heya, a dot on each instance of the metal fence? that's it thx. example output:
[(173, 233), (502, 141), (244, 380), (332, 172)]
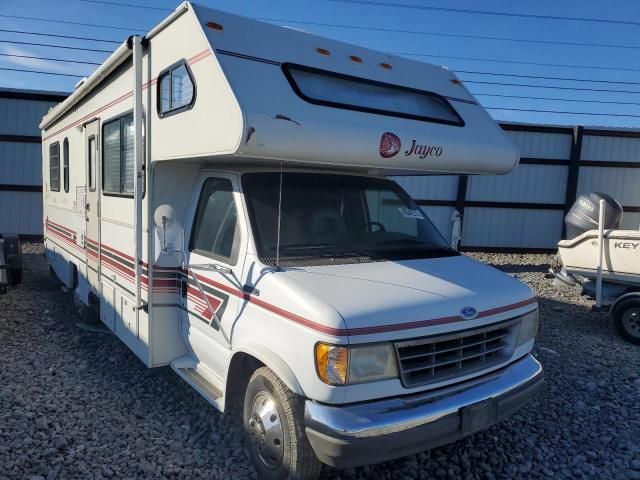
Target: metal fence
[(524, 210), (21, 159)]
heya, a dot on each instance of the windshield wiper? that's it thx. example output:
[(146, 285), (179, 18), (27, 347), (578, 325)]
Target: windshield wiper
[(321, 246), (418, 243)]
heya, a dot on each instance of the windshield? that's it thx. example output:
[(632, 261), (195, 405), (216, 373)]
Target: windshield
[(330, 219)]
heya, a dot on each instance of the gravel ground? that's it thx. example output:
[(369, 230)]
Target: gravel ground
[(76, 404)]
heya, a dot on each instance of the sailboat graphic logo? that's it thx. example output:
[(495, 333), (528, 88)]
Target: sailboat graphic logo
[(389, 145)]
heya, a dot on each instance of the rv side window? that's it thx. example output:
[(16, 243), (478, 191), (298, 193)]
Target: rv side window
[(54, 167), (336, 90), (215, 228), (117, 156), (65, 164), (91, 163), (176, 90)]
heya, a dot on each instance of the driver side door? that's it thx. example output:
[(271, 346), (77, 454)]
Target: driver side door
[(216, 252)]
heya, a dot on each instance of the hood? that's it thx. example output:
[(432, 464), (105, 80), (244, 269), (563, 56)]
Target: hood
[(415, 297)]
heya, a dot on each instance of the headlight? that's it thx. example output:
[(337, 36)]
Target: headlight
[(528, 327), (342, 365)]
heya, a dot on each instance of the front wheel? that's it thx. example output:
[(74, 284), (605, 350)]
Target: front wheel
[(274, 430), (627, 318)]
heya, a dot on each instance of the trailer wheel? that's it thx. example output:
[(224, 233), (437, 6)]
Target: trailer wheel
[(627, 318), (274, 430), (13, 257)]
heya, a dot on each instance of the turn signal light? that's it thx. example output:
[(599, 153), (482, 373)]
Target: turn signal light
[(332, 363)]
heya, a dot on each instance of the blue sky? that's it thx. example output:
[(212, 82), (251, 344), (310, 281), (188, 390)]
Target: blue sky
[(621, 65)]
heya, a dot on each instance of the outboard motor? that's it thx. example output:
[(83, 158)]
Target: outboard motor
[(585, 214)]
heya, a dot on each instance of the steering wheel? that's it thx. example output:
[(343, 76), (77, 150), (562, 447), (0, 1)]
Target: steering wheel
[(377, 224)]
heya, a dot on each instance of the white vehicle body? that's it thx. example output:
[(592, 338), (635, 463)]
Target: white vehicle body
[(127, 246), (579, 256)]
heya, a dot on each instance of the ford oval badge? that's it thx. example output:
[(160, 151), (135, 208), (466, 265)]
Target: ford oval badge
[(468, 313)]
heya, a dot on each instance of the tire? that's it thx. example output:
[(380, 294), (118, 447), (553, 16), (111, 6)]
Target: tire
[(627, 319), (274, 430), (15, 276)]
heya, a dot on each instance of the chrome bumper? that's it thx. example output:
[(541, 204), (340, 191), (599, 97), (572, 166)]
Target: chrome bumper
[(359, 434)]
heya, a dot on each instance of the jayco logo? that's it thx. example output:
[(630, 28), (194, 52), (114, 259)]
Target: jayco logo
[(423, 151), (389, 145)]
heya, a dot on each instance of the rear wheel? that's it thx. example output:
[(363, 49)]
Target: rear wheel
[(627, 318), (274, 430)]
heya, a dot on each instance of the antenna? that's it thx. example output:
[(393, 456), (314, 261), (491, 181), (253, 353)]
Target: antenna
[(279, 220)]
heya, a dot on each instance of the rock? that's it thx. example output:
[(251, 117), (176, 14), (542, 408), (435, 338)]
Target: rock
[(103, 415)]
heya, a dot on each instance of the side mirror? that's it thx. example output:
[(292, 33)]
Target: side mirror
[(168, 237)]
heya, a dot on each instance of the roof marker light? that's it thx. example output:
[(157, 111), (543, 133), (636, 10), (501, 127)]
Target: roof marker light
[(355, 59), (386, 66), (455, 81), (215, 26), (323, 51)]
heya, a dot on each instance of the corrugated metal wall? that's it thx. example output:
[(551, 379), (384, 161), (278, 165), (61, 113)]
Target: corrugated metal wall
[(525, 209), (21, 159), (522, 210), (610, 164)]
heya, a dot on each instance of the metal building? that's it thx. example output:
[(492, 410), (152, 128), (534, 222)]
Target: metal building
[(525, 209), (21, 159)]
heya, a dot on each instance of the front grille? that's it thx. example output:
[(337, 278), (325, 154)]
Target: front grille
[(433, 359)]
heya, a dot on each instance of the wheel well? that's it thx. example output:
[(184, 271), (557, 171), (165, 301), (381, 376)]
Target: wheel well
[(240, 370), (74, 276), (622, 299)]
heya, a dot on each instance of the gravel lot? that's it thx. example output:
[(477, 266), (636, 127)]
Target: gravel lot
[(78, 404)]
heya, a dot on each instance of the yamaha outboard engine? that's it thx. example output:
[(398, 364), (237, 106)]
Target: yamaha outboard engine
[(585, 214)]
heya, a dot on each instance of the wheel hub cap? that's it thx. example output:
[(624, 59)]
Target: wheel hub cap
[(266, 431), (631, 321)]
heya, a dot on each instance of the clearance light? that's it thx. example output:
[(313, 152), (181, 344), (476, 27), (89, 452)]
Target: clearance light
[(455, 81), (355, 59), (323, 51), (215, 26), (386, 66)]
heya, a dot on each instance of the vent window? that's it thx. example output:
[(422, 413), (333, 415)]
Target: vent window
[(176, 90)]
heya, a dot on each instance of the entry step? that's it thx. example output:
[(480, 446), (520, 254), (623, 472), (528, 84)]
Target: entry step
[(187, 369)]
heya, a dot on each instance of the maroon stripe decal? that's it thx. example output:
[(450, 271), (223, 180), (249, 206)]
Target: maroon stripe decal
[(196, 58), (196, 297), (437, 321)]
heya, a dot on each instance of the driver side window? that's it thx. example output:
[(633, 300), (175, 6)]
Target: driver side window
[(215, 230)]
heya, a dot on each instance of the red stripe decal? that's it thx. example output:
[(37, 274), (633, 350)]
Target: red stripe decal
[(438, 321), (194, 295), (196, 58)]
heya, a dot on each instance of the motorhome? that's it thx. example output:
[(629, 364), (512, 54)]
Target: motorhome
[(218, 190)]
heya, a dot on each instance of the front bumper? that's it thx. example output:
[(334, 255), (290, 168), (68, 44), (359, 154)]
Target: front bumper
[(364, 433)]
